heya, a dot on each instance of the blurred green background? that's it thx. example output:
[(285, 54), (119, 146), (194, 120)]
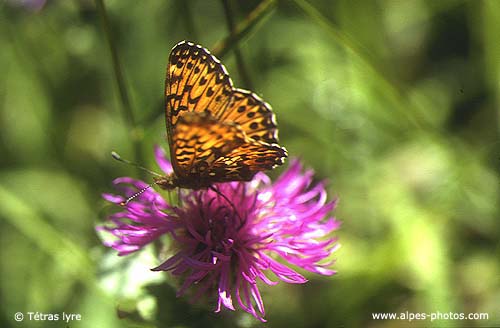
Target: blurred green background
[(395, 103)]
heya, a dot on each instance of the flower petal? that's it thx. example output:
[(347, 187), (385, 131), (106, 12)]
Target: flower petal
[(162, 160)]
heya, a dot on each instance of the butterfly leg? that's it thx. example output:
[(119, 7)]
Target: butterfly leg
[(179, 199)]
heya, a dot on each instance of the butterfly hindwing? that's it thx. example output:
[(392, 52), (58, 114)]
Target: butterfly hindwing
[(253, 115), (209, 150), (199, 140), (243, 162)]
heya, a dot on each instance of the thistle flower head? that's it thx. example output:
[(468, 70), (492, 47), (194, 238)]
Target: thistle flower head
[(231, 236)]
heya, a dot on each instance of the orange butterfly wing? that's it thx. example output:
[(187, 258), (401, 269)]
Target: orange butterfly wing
[(209, 151), (199, 140), (196, 82), (216, 133), (254, 116)]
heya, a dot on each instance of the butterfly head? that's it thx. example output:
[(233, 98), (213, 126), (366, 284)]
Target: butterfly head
[(167, 182)]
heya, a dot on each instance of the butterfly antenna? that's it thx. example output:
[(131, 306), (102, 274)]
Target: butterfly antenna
[(120, 159), (124, 203)]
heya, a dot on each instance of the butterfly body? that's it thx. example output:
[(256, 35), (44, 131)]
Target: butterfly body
[(216, 133)]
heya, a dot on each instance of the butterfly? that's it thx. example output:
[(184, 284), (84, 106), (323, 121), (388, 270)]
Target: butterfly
[(216, 132)]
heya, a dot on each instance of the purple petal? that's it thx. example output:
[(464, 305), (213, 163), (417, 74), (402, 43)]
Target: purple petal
[(162, 160)]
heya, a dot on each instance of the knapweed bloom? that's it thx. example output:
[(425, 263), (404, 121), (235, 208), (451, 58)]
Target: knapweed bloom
[(228, 238)]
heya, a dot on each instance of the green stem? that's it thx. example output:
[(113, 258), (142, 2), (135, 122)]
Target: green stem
[(120, 81), (245, 77), (126, 107), (243, 29), (187, 19)]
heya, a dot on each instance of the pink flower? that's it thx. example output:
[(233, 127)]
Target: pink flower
[(227, 240)]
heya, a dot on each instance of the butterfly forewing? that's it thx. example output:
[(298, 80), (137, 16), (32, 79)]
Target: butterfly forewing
[(196, 82)]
